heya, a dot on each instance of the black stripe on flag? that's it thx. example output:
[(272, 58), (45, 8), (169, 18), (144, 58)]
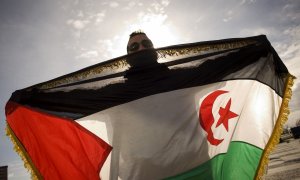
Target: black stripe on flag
[(257, 62)]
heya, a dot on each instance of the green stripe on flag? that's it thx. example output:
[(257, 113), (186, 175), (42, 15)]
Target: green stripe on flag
[(240, 162)]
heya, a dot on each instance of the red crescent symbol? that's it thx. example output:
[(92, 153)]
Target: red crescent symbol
[(206, 117)]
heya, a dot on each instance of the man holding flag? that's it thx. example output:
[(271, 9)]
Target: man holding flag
[(206, 110)]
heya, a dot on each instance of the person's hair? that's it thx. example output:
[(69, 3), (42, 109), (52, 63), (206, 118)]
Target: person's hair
[(139, 32)]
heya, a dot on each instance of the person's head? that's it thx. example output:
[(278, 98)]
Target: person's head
[(141, 52), (138, 41)]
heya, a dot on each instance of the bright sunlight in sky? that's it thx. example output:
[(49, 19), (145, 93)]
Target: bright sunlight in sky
[(163, 36), (161, 33)]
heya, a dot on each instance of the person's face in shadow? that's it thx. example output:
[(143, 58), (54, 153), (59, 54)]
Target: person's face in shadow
[(138, 43), (141, 51)]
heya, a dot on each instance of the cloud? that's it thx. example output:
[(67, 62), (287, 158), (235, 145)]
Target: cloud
[(159, 7), (106, 47), (247, 2), (16, 170), (291, 11), (85, 27), (256, 31), (78, 24), (165, 2), (113, 4), (293, 118), (228, 16), (290, 51), (80, 14), (81, 23), (152, 19), (293, 31), (89, 54), (132, 4), (99, 17)]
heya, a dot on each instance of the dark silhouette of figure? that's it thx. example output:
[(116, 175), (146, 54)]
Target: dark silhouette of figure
[(142, 56)]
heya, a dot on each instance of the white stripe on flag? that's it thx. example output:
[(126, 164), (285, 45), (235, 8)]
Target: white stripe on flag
[(162, 133)]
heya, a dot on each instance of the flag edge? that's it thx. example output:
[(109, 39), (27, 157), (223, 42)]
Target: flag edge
[(21, 151), (278, 128)]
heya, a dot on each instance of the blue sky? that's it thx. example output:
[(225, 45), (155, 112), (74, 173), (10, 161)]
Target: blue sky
[(41, 40)]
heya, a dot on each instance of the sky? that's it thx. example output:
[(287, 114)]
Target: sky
[(41, 40)]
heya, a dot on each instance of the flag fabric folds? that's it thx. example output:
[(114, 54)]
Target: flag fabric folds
[(206, 110)]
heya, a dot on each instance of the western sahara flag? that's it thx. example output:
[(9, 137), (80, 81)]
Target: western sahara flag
[(208, 110)]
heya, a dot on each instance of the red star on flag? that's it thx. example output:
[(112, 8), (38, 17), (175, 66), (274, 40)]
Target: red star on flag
[(225, 115)]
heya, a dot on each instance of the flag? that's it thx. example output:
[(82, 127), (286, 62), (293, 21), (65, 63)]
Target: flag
[(206, 110)]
